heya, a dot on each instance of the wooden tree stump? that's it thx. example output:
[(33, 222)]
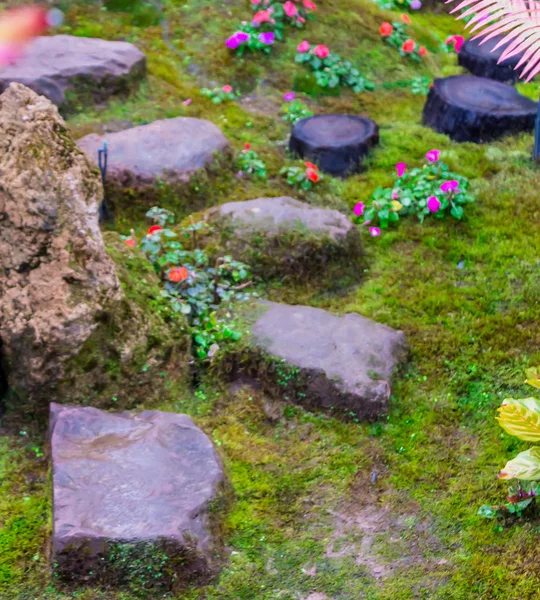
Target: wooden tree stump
[(336, 143), (477, 109), (480, 60)]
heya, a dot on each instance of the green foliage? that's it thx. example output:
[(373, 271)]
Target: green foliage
[(250, 163), (302, 178), (219, 95), (196, 284), (420, 85), (419, 192), (400, 37), (333, 71), (295, 111)]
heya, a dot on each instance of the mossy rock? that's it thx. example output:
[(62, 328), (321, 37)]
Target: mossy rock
[(283, 237), (140, 354)]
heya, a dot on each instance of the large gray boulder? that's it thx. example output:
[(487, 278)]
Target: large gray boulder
[(61, 65), (169, 151), (283, 236), (344, 364), (66, 326), (134, 498)]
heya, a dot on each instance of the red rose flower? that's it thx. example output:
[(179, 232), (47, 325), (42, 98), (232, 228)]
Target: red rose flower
[(130, 242), (178, 274), (309, 5), (422, 51), (311, 166), (312, 175), (154, 228), (406, 19), (408, 46), (386, 29)]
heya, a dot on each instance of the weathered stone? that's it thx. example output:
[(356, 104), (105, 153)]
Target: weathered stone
[(134, 498), (169, 151), (283, 236), (65, 322), (481, 59), (340, 363), (337, 143), (60, 65)]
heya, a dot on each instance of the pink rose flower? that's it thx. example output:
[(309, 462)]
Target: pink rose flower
[(433, 204), (400, 168), (359, 209), (290, 9), (449, 186), (321, 51), (303, 47), (227, 89), (433, 155), (374, 231), (395, 194)]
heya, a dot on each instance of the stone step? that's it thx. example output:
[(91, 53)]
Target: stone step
[(342, 364), (481, 59), (132, 495), (60, 65)]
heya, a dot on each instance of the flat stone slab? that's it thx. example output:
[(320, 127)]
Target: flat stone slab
[(339, 363), (481, 59), (128, 487), (52, 66), (284, 235), (477, 109), (337, 143), (169, 149)]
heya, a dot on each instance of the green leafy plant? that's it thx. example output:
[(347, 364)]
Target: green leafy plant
[(249, 162), (396, 34), (197, 284), (330, 70), (302, 178), (430, 190), (295, 111), (421, 86), (219, 95), (520, 418)]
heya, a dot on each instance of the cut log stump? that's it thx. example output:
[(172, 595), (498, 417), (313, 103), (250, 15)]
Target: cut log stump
[(477, 109), (336, 143), (481, 60)]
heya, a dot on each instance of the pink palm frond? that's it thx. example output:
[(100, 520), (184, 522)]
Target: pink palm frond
[(518, 19)]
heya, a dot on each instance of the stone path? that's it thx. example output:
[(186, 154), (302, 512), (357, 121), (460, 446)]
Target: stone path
[(171, 150), (477, 109), (57, 65), (342, 363), (132, 485), (283, 236)]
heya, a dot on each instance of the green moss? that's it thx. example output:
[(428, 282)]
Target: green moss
[(465, 293)]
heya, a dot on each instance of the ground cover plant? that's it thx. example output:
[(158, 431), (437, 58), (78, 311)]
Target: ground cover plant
[(327, 509)]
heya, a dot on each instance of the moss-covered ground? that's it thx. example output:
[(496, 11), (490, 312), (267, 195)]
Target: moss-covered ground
[(344, 510)]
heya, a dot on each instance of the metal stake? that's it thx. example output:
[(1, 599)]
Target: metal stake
[(103, 155)]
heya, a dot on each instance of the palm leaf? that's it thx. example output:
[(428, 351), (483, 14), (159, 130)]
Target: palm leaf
[(518, 19), (521, 418), (525, 466)]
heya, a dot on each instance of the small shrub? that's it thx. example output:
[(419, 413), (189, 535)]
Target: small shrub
[(522, 419), (219, 95), (330, 70), (303, 178), (396, 34), (294, 110), (432, 190), (250, 163)]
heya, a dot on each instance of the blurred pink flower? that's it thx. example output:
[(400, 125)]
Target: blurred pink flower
[(288, 97), (303, 47), (374, 231), (400, 168), (187, 102), (433, 155), (433, 204), (449, 186), (359, 209), (227, 89), (289, 8), (395, 194)]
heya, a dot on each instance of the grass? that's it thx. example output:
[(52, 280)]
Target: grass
[(310, 516)]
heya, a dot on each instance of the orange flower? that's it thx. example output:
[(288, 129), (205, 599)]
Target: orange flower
[(422, 51), (178, 274), (406, 19), (312, 175), (408, 46), (386, 29), (154, 228), (311, 166)]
